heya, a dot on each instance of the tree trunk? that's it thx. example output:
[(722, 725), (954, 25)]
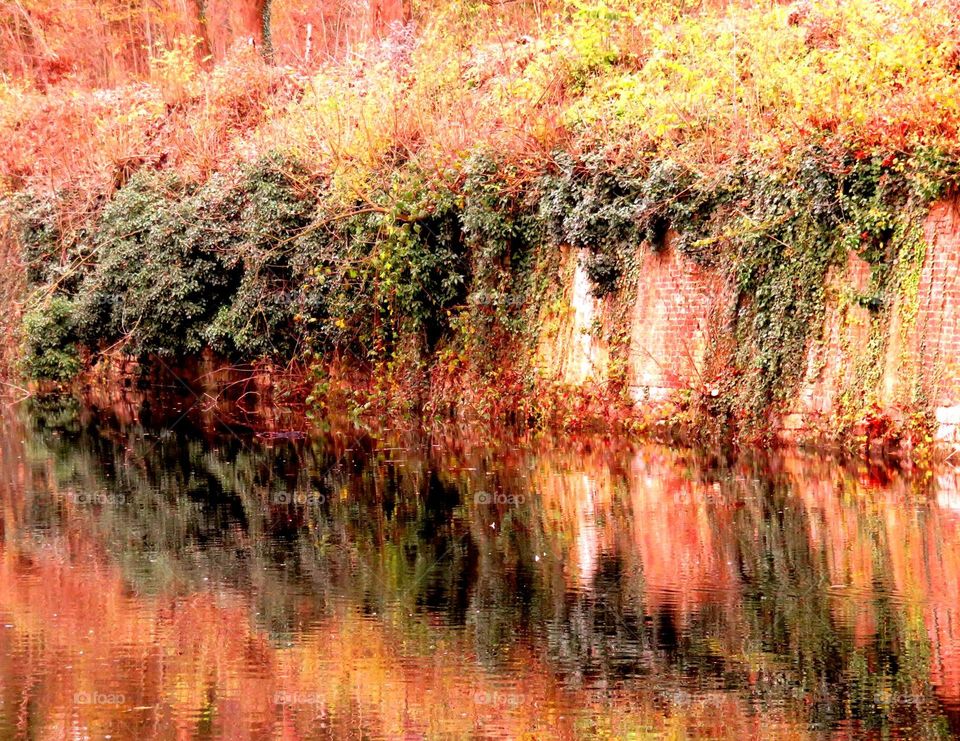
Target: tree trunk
[(267, 48), (385, 12), (202, 29)]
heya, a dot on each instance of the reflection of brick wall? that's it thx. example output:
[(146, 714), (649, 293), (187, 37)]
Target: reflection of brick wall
[(941, 570), (671, 323)]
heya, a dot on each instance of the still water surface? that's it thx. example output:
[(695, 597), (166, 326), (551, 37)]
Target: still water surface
[(168, 580)]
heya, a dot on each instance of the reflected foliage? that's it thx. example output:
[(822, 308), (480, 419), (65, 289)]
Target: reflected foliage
[(614, 575)]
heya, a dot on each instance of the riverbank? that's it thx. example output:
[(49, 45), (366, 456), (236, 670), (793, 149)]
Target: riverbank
[(599, 224)]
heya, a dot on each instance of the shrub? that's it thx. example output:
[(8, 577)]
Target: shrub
[(503, 229), (50, 350), (273, 204), (40, 235), (420, 256), (53, 231), (157, 279)]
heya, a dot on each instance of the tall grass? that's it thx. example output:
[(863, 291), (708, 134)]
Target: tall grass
[(721, 82)]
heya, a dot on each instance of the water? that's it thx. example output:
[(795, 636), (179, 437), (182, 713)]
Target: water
[(190, 579)]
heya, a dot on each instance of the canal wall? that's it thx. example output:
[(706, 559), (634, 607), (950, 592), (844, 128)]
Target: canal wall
[(874, 363)]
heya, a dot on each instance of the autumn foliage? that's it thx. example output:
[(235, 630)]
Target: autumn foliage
[(425, 137), (90, 89)]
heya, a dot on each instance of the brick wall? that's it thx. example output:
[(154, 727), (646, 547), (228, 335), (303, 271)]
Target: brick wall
[(676, 312), (938, 315), (680, 310), (922, 356), (933, 346), (832, 356)]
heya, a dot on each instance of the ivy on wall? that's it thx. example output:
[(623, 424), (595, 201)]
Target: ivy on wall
[(265, 262)]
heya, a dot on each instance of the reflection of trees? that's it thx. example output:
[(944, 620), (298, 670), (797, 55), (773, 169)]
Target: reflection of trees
[(789, 583)]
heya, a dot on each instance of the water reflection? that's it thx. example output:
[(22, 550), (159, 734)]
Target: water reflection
[(163, 581)]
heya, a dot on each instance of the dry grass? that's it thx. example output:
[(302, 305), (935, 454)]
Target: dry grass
[(706, 86)]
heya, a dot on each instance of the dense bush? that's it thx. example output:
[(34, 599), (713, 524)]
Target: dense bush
[(155, 280), (588, 204), (274, 202), (420, 256), (50, 351), (260, 263), (503, 230), (171, 268)]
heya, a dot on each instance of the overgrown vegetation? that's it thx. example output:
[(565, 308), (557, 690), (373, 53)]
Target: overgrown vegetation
[(405, 208)]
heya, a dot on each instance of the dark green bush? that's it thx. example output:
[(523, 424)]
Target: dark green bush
[(260, 263), (40, 235), (272, 206), (500, 218), (420, 259), (174, 268), (589, 204), (54, 235), (50, 350), (503, 229), (157, 280)]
